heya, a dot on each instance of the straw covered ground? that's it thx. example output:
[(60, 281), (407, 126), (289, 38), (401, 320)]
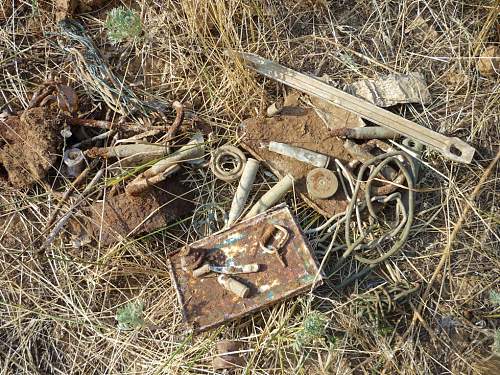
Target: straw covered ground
[(434, 307)]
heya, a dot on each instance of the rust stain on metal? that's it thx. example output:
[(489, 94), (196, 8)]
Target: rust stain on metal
[(206, 304)]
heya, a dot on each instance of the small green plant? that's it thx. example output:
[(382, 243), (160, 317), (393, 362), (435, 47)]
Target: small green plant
[(123, 24), (495, 297), (313, 328), (130, 316), (496, 342)]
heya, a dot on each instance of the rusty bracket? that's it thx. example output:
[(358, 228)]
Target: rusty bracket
[(280, 236)]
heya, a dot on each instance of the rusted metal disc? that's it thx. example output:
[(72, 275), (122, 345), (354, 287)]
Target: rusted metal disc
[(321, 183)]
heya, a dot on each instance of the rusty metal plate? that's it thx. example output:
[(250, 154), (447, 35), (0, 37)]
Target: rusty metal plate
[(206, 304), (302, 128)]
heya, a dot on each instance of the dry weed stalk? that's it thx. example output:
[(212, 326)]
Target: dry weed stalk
[(57, 311)]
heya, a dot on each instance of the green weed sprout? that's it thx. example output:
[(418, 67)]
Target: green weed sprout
[(123, 24), (495, 298), (496, 342), (130, 316), (313, 328)]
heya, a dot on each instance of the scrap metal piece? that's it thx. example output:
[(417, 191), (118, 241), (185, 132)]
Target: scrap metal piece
[(367, 132), (301, 154), (74, 160), (244, 188), (235, 269), (280, 236), (451, 147), (307, 130), (191, 259), (202, 271), (392, 89), (234, 286), (205, 304), (227, 270), (321, 183), (194, 149), (359, 153), (227, 163), (272, 196)]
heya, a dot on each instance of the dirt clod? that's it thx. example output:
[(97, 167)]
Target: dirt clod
[(124, 216), (29, 145), (64, 8), (302, 128)]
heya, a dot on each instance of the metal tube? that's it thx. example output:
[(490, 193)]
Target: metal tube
[(74, 160), (272, 196), (368, 132), (233, 285), (301, 154), (244, 188), (193, 150)]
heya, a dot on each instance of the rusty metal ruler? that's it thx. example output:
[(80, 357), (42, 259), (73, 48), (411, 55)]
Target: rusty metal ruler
[(451, 147)]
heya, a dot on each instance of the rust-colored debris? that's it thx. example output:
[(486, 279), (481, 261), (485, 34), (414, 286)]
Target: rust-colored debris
[(123, 216), (206, 303), (303, 128), (30, 145)]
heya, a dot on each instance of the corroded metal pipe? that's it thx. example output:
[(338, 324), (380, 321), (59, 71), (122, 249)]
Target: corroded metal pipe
[(244, 188), (163, 168), (233, 285), (193, 150), (272, 196), (368, 132), (74, 160), (301, 154)]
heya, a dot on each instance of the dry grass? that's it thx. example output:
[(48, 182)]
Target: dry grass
[(57, 311)]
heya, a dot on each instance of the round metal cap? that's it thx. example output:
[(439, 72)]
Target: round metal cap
[(321, 183)]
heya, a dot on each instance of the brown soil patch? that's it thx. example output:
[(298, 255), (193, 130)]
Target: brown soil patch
[(303, 128), (124, 216), (29, 145)]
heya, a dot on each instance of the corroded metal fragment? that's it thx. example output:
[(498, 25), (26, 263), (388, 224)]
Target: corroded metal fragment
[(206, 304)]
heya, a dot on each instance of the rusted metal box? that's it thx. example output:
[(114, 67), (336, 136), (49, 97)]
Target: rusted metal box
[(206, 304)]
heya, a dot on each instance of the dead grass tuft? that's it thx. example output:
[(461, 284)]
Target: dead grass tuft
[(57, 311)]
